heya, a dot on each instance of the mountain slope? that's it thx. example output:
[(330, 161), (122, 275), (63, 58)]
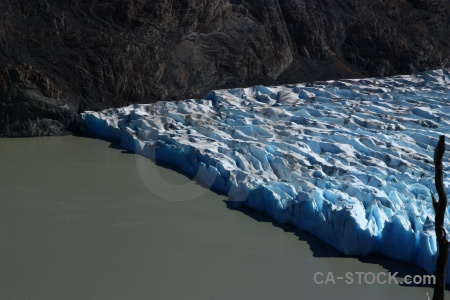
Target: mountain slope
[(58, 58)]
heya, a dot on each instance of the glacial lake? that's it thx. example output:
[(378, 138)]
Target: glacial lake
[(80, 220)]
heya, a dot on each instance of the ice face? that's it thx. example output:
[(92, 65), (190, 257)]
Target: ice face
[(349, 160)]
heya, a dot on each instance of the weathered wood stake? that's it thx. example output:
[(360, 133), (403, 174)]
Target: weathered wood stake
[(439, 208)]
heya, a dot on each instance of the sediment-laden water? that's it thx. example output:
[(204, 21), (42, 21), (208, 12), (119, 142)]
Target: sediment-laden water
[(79, 220)]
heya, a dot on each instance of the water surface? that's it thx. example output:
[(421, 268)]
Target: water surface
[(77, 222)]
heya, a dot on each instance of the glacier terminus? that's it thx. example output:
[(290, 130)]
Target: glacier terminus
[(347, 160)]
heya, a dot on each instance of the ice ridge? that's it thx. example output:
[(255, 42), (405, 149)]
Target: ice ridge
[(347, 160)]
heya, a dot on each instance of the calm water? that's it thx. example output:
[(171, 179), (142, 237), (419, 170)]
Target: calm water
[(77, 222)]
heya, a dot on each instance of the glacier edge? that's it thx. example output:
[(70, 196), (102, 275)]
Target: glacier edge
[(347, 160)]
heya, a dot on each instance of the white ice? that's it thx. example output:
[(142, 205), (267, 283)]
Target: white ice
[(348, 160)]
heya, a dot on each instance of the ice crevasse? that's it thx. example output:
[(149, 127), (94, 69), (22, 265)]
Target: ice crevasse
[(347, 160)]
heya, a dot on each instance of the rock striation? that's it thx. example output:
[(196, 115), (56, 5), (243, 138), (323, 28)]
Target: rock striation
[(61, 57)]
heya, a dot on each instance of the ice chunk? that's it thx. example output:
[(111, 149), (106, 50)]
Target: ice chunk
[(348, 160)]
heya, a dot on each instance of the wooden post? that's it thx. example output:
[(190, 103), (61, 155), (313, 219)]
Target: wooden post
[(439, 208)]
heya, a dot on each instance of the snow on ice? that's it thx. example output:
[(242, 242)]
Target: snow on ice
[(348, 160)]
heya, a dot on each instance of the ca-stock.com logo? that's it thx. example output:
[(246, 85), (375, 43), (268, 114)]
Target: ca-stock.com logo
[(370, 278)]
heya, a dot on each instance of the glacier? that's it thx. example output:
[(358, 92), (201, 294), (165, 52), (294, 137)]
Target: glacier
[(347, 160)]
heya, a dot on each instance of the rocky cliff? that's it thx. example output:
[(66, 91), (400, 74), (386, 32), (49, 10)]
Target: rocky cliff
[(61, 57)]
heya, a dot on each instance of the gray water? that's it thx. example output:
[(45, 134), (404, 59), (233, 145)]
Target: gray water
[(78, 221)]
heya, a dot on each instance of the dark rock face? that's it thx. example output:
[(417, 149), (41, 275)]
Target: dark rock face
[(30, 104), (61, 57)]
